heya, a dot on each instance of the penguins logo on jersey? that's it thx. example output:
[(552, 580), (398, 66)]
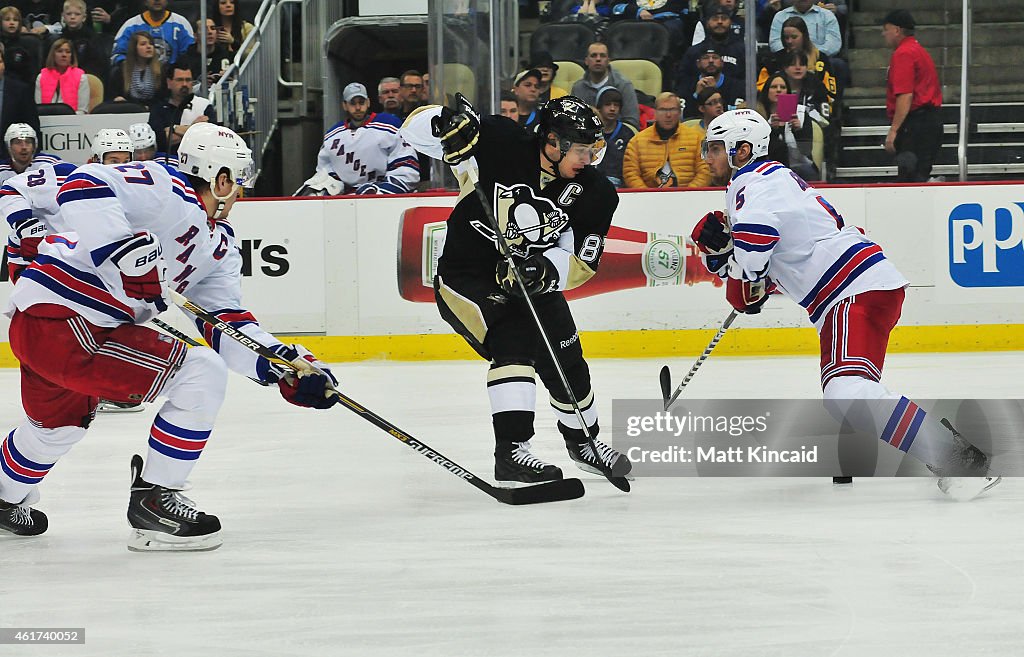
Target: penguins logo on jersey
[(526, 221)]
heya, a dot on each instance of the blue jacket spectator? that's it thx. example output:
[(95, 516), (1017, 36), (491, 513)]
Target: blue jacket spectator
[(172, 34)]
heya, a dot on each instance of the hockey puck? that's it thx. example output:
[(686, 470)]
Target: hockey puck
[(842, 480)]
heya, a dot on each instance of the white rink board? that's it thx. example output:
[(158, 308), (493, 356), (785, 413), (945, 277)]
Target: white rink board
[(340, 257)]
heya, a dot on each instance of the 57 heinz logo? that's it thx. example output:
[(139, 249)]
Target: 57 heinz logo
[(986, 245)]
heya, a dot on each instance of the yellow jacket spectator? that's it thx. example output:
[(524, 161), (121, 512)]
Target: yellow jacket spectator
[(667, 154)]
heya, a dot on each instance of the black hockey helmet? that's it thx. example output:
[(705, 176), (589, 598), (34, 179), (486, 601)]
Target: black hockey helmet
[(573, 122)]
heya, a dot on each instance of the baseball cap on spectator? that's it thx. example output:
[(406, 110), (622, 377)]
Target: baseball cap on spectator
[(532, 72), (354, 90), (608, 94), (542, 58), (899, 18), (716, 9)]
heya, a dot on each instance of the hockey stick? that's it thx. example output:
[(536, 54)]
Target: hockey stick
[(666, 376), (554, 491), (619, 482), (167, 328)]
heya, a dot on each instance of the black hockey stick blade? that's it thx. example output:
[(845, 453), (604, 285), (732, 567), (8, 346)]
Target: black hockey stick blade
[(553, 491), (666, 385)]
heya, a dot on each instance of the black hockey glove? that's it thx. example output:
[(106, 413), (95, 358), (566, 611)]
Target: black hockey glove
[(539, 276), (458, 132), (714, 241)]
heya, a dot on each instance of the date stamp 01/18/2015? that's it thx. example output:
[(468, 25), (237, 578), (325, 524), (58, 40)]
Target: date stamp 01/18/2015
[(41, 635)]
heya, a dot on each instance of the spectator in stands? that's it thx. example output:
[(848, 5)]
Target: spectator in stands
[(425, 91), (617, 134), (61, 80), (108, 16), (384, 163), (810, 92), (543, 62), (509, 106), (22, 60), (709, 104), (138, 78), (821, 25), (172, 34), (709, 75), (232, 29), (21, 142), (526, 89), (599, 73), (792, 140), (179, 110), (736, 24), (39, 15), (766, 10), (718, 23), (667, 154), (389, 95), (90, 54), (912, 100), (796, 37), (218, 57), (410, 88), (16, 105)]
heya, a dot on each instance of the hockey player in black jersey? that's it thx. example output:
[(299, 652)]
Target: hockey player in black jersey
[(554, 210)]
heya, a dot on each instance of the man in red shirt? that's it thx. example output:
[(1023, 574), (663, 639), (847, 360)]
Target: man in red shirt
[(912, 100)]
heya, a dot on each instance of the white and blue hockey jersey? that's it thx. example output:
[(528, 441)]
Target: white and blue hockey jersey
[(28, 202), (105, 205), (784, 229), (370, 159), (7, 171), (172, 36)]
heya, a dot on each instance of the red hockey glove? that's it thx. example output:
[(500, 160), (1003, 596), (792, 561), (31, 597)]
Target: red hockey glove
[(748, 297)]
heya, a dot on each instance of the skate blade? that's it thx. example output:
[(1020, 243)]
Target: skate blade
[(586, 467), (965, 489), (144, 540), (104, 408)]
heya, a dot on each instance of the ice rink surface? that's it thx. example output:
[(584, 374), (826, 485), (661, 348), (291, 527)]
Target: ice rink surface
[(338, 540)]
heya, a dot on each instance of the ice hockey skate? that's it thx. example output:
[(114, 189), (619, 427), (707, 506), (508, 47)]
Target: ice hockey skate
[(107, 406), (518, 466), (163, 520), (583, 455), (21, 519), (968, 460)]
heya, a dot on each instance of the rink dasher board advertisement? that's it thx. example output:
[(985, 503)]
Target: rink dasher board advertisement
[(331, 266)]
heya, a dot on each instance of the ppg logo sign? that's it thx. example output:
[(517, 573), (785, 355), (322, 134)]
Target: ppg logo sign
[(986, 245)]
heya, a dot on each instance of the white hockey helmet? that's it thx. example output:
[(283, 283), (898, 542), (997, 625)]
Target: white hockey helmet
[(20, 131), (142, 136), (207, 148), (110, 140), (735, 127)]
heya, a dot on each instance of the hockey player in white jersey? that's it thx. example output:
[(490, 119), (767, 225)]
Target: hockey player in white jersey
[(23, 149), (76, 315), (144, 145), (363, 154), (780, 233)]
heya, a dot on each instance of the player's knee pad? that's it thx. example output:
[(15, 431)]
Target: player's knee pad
[(841, 392), (200, 383)]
